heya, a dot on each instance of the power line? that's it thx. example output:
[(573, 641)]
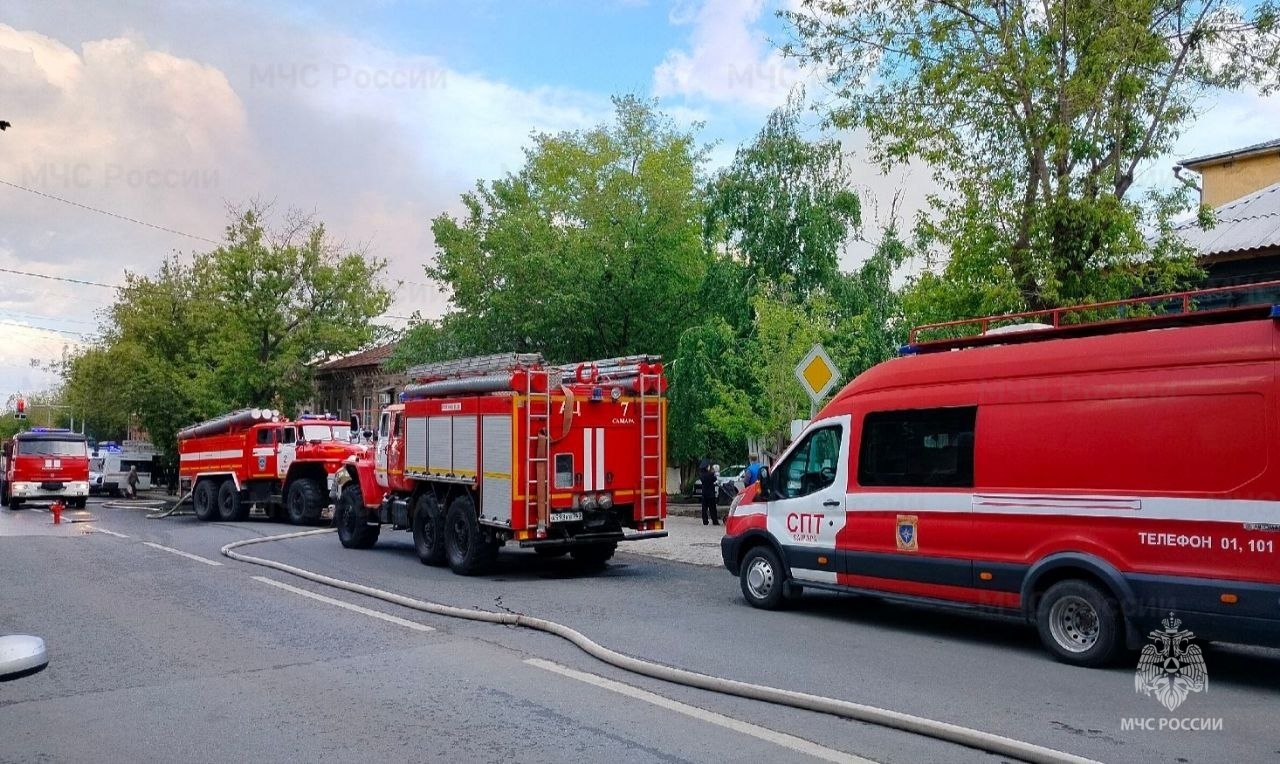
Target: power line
[(57, 278), (108, 213), (42, 328), (40, 317)]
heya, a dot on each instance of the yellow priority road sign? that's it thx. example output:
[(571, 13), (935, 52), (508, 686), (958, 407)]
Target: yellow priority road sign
[(817, 374)]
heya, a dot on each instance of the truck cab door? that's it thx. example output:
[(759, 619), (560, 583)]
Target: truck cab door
[(806, 501), (380, 450), (286, 451)]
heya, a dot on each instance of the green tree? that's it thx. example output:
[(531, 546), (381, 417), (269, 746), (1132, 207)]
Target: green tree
[(238, 326), (1035, 118), (784, 205), (591, 249)]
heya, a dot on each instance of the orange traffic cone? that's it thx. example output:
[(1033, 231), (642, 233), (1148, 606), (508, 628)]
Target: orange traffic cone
[(56, 509)]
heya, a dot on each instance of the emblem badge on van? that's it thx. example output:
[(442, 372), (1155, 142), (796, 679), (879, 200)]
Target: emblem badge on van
[(907, 536)]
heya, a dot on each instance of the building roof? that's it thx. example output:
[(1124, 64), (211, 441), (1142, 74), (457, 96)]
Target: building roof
[(1249, 223), (374, 356), (1223, 156)]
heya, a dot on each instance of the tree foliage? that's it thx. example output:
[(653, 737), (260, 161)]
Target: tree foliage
[(592, 249), (238, 326), (1036, 118), (784, 205)]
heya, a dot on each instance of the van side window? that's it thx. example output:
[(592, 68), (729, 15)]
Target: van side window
[(918, 447), (811, 466)]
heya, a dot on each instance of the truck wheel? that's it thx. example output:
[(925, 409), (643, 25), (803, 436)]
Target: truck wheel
[(763, 580), (229, 505), (353, 531), (303, 502), (594, 555), (204, 500), (1079, 624), (428, 531), (468, 550)]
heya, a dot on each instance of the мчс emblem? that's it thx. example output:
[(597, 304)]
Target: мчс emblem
[(907, 535), (1171, 667)]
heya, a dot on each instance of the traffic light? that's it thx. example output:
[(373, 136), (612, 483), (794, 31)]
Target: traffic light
[(21, 409)]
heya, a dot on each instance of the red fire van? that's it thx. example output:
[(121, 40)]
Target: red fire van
[(1092, 473)]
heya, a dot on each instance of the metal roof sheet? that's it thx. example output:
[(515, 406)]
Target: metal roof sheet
[(1271, 144), (1250, 222)]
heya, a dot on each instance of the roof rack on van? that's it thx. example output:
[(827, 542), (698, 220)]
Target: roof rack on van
[(1243, 302)]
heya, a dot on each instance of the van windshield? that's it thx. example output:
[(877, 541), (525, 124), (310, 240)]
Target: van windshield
[(47, 447)]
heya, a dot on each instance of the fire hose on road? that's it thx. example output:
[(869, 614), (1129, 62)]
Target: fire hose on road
[(952, 733)]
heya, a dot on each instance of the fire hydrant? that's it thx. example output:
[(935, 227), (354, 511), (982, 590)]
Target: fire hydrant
[(56, 509)]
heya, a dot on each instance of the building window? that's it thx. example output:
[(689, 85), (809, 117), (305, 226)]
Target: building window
[(918, 447)]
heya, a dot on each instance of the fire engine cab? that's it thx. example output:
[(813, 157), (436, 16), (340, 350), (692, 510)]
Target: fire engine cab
[(487, 450), (1091, 475), (45, 463), (252, 463)]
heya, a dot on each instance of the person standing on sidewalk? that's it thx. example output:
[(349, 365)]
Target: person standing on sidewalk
[(132, 481), (709, 487)]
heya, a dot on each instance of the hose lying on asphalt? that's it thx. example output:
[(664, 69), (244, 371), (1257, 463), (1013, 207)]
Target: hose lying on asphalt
[(952, 733), (171, 510), (133, 503)]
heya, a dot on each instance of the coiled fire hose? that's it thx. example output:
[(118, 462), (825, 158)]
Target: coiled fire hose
[(952, 733)]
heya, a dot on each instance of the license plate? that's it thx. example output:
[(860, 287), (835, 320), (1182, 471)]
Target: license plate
[(566, 517)]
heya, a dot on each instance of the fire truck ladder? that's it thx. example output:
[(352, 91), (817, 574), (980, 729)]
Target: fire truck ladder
[(651, 456), (537, 429)]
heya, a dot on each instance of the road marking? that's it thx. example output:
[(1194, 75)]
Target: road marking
[(347, 605), (711, 717), (181, 553), (96, 529)]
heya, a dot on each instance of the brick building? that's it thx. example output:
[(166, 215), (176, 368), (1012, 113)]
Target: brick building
[(357, 384), (1243, 187)]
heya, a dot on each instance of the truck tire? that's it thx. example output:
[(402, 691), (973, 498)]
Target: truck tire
[(230, 507), (763, 579), (204, 500), (353, 531), (594, 555), (428, 531), (466, 545), (1080, 624), (303, 502)]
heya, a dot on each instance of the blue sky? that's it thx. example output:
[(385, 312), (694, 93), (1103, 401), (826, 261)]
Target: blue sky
[(169, 112)]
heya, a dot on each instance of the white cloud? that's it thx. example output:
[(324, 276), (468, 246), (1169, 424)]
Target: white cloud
[(729, 58), (164, 118)]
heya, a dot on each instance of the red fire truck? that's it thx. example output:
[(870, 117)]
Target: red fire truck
[(1090, 473), (486, 450), (45, 463), (252, 463)]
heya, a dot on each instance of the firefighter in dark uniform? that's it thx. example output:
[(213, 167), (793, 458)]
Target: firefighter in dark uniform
[(709, 486)]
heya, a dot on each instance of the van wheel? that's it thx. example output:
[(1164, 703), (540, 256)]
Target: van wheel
[(229, 506), (428, 531), (1080, 624), (763, 580), (353, 530), (303, 502), (468, 549), (204, 499)]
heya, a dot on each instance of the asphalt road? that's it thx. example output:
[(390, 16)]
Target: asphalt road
[(162, 657)]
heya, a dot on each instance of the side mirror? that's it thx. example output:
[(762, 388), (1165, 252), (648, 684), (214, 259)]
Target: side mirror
[(355, 423), (763, 480)]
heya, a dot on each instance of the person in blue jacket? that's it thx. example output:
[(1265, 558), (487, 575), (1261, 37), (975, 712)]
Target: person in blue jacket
[(753, 470)]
